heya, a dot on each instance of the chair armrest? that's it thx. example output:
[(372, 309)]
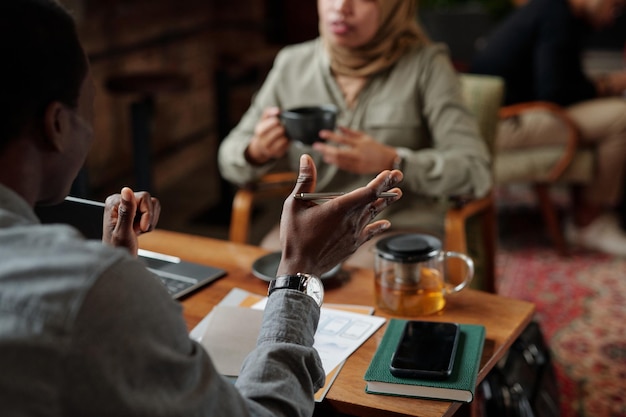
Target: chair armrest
[(455, 225), (462, 209), (275, 184), (572, 138), (276, 181)]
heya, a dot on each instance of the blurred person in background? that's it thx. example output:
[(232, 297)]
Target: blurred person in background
[(538, 51)]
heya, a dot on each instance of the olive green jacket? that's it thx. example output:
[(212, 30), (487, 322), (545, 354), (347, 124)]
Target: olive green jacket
[(416, 105)]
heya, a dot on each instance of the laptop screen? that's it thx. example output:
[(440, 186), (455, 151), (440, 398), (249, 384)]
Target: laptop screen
[(85, 215)]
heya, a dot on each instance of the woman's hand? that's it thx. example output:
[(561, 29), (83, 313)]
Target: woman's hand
[(128, 215), (316, 237), (269, 140), (357, 152)]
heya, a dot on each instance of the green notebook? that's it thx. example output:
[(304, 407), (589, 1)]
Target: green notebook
[(460, 386)]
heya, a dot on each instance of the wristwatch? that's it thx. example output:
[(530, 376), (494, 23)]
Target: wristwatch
[(309, 284), (401, 155)]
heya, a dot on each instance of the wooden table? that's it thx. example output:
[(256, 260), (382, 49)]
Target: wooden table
[(504, 318)]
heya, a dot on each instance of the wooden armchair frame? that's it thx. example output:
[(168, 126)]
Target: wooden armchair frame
[(278, 184), (556, 173)]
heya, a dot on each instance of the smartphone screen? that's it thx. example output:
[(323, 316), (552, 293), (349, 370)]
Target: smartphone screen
[(426, 350)]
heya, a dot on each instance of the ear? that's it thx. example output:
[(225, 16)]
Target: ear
[(56, 125)]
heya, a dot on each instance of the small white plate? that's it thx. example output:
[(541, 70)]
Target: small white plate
[(266, 267)]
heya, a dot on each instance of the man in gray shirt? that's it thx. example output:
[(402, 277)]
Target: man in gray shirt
[(85, 329)]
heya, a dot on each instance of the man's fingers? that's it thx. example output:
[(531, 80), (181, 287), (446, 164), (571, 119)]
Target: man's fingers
[(383, 202), (373, 229), (386, 180), (145, 210)]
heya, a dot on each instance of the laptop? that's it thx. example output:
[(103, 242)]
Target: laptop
[(179, 277)]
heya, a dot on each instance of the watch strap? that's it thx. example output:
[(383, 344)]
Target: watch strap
[(291, 282)]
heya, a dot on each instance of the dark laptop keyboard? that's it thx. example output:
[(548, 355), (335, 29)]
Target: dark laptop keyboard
[(174, 285), (179, 277)]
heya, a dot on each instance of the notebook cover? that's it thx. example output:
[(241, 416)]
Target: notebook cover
[(460, 386)]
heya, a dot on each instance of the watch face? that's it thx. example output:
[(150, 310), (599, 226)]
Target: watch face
[(315, 289)]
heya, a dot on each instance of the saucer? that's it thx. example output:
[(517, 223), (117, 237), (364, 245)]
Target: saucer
[(266, 267)]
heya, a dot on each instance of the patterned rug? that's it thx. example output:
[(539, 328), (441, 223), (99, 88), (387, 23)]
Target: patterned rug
[(581, 306)]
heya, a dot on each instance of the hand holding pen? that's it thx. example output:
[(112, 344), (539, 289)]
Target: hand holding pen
[(316, 237), (330, 196)]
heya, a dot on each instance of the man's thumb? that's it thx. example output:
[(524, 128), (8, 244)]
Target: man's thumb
[(307, 175), (126, 209)]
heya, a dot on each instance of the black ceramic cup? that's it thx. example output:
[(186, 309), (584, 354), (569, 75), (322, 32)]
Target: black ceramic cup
[(303, 124)]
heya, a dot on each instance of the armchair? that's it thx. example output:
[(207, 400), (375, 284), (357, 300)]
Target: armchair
[(545, 166), (483, 95)]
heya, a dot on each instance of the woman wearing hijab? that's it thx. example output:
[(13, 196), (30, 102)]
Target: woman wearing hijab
[(400, 106)]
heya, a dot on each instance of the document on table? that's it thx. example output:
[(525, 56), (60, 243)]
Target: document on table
[(341, 330)]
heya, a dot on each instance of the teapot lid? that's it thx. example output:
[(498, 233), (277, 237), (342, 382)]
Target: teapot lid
[(409, 247)]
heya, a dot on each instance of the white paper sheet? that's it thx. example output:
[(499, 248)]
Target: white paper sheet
[(338, 335)]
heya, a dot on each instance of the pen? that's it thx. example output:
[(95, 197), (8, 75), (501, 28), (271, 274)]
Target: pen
[(330, 196)]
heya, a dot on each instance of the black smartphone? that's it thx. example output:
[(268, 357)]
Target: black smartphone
[(426, 350)]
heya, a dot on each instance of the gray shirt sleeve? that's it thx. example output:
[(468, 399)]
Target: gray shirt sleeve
[(131, 355)]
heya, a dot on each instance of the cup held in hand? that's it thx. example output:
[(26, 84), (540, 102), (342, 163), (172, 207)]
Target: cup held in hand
[(303, 124)]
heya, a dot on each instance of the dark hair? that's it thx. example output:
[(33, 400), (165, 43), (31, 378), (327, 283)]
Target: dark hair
[(42, 62)]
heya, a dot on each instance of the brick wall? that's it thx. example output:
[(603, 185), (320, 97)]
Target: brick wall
[(189, 37)]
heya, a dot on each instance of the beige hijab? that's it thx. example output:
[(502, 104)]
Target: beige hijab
[(398, 32)]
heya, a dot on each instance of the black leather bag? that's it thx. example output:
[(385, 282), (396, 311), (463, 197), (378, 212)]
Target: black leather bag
[(523, 384)]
